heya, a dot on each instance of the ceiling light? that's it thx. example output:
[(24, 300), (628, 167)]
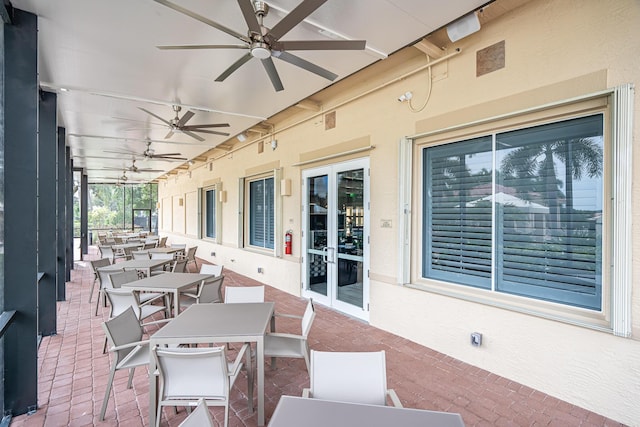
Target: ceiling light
[(64, 89), (242, 137), (260, 50), (191, 162)]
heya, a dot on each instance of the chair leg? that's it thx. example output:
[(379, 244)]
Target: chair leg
[(104, 347), (107, 392), (100, 295), (250, 379), (130, 383), (93, 285)]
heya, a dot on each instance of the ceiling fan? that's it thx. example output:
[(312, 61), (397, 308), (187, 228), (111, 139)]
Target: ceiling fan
[(133, 168), (179, 124), (149, 153), (264, 43)]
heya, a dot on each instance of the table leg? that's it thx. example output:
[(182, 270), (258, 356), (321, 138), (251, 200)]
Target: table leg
[(260, 370), (176, 303), (250, 377)]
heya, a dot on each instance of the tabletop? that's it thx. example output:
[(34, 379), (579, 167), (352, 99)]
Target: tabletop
[(295, 411), (135, 263), (167, 281)]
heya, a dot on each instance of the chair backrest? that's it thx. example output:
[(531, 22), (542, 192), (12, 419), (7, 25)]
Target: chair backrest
[(128, 251), (98, 263), (150, 244), (121, 277), (307, 318), (123, 329), (105, 277), (199, 417), (140, 255), (162, 242), (106, 251), (211, 269), (210, 290), (237, 294), (179, 245), (193, 372), (356, 377), (191, 253), (179, 266), (121, 299), (161, 256)]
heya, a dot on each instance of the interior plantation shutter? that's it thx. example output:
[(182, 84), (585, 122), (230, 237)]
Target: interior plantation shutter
[(458, 232)]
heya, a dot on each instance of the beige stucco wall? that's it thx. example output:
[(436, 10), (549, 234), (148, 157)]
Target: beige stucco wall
[(554, 49)]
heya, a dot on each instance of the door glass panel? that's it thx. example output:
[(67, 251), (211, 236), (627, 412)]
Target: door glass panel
[(142, 219), (317, 243), (350, 192)]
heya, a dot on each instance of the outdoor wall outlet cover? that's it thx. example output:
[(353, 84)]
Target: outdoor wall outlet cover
[(476, 339)]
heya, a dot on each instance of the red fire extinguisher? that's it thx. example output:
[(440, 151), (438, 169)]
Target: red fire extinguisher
[(287, 242)]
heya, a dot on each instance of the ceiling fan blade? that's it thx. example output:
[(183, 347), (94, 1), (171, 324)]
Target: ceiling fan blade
[(297, 61), (240, 62), (250, 16), (294, 17), (165, 154), (203, 19), (213, 132), (193, 135), (321, 45), (204, 46), (185, 118), (121, 152), (169, 135), (125, 139), (148, 170), (270, 68), (212, 125), (156, 116), (169, 158)]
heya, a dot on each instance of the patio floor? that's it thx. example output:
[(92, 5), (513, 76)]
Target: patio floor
[(73, 373)]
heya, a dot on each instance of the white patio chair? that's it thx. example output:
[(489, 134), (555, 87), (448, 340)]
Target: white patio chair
[(209, 291), (355, 377), (190, 374), (179, 266), (120, 278), (162, 243), (124, 334), (161, 269), (105, 282), (95, 265), (121, 299), (140, 254), (191, 257), (200, 417), (291, 345), (211, 269), (181, 248), (239, 294), (107, 251)]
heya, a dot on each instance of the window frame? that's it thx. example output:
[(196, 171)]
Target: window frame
[(246, 214), (616, 105), (204, 213)]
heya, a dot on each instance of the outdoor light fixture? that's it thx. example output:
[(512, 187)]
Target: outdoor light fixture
[(405, 96), (242, 137), (463, 27)]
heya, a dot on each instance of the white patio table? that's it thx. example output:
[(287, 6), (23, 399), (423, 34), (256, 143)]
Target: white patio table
[(295, 411), (166, 283), (217, 323)]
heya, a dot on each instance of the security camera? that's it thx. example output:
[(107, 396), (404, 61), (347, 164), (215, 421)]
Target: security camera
[(405, 96)]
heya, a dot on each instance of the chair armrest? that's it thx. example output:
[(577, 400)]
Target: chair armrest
[(306, 392), (130, 345), (156, 322), (238, 362), (290, 316), (394, 398), (284, 335), (189, 294)]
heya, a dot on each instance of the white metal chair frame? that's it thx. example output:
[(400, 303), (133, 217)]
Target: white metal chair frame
[(240, 294), (290, 345), (211, 269), (190, 374), (95, 265), (354, 377), (208, 291), (200, 417)]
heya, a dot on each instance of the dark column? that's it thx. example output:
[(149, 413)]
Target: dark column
[(68, 189), (20, 211), (47, 247), (84, 188), (61, 214)]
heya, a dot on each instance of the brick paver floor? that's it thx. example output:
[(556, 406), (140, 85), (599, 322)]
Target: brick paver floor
[(73, 373)]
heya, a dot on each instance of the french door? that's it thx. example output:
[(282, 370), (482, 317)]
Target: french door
[(336, 236)]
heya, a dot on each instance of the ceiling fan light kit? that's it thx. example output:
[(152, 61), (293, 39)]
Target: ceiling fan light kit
[(264, 43)]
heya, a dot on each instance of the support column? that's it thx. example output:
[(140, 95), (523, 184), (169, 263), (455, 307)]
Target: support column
[(68, 191), (47, 246), (84, 205), (20, 211), (61, 214)]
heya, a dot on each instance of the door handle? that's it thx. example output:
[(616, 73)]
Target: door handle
[(324, 254)]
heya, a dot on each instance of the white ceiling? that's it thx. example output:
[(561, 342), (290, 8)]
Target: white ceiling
[(104, 53)]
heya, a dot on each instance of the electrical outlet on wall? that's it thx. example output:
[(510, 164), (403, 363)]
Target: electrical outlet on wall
[(476, 339)]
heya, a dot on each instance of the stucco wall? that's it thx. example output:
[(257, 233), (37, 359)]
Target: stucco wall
[(547, 43)]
